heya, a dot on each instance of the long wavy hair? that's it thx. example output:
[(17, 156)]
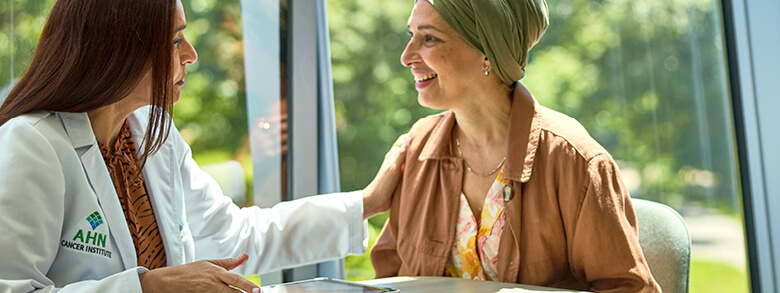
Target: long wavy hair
[(93, 53)]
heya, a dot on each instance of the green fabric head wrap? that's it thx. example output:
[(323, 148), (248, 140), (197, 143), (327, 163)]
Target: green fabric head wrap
[(503, 30)]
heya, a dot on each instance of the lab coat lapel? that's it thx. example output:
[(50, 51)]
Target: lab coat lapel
[(79, 131), (158, 178)]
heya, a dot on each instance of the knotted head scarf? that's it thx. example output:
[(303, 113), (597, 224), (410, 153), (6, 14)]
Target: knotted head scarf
[(503, 30)]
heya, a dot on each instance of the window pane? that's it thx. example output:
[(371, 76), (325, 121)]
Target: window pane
[(21, 23), (646, 78), (212, 114)]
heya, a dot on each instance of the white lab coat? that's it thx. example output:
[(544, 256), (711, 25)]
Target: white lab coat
[(62, 227)]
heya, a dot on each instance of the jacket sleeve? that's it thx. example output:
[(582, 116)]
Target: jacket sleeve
[(605, 251), (384, 254), (32, 189), (292, 233)]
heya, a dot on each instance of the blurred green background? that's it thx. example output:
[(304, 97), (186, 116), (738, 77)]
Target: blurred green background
[(646, 78)]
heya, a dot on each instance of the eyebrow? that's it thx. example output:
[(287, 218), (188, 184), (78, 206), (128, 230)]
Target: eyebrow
[(426, 27), (181, 28)]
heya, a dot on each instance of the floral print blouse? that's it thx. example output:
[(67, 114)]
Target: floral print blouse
[(475, 251)]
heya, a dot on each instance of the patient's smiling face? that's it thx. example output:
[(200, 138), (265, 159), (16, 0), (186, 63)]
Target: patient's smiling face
[(446, 69)]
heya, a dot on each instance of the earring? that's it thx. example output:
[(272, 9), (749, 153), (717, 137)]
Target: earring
[(487, 71)]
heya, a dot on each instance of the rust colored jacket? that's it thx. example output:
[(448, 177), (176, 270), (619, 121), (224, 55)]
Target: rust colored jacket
[(569, 222)]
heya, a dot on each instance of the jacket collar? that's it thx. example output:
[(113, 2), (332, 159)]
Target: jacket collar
[(525, 125), (78, 128)]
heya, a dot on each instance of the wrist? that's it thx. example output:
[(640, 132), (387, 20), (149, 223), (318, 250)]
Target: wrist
[(369, 203), (145, 281)]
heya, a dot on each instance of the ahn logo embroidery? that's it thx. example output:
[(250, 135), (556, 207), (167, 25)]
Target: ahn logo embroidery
[(94, 242), (95, 220)]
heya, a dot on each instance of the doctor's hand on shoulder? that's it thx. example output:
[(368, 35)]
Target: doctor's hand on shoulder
[(378, 195), (199, 276)]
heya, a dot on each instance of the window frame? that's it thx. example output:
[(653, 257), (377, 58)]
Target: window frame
[(750, 42)]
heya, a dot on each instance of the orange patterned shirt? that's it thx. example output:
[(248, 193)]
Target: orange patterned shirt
[(475, 251), (129, 184)]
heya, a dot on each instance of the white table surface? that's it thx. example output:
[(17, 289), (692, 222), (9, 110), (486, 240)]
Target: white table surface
[(454, 285)]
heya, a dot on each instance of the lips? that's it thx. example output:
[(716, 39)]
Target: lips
[(424, 77), (423, 80)]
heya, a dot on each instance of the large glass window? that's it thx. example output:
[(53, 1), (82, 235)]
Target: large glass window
[(646, 78)]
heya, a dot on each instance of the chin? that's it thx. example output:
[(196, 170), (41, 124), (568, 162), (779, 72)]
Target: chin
[(431, 102), (176, 96)]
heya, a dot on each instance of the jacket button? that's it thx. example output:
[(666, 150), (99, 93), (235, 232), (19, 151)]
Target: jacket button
[(507, 193)]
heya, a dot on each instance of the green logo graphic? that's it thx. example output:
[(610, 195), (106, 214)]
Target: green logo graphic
[(95, 220)]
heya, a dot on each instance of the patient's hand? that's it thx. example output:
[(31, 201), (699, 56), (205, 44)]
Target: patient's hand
[(378, 194)]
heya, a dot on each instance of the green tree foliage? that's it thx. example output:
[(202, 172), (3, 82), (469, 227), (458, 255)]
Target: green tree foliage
[(648, 79), (212, 110), (375, 96), (19, 37)]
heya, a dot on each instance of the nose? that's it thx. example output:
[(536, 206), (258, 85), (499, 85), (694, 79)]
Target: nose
[(188, 54), (410, 54)]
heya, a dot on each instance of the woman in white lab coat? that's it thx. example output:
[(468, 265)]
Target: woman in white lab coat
[(79, 216)]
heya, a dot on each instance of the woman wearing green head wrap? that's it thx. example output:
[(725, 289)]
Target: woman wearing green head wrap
[(498, 187)]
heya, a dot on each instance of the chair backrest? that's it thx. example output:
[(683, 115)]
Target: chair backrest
[(666, 244)]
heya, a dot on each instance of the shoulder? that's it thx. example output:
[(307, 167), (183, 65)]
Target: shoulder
[(34, 141), (26, 120), (32, 128), (426, 125), (562, 133)]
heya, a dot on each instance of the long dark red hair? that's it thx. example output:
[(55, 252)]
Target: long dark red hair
[(93, 53)]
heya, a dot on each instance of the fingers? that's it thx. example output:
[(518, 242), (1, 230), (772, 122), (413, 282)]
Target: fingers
[(397, 155), (231, 263), (399, 147), (238, 282), (403, 141), (232, 279)]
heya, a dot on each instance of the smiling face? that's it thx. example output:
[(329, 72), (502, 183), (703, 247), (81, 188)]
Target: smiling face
[(446, 69)]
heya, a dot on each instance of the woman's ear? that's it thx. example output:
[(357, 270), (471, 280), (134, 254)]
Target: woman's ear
[(486, 65), (486, 62)]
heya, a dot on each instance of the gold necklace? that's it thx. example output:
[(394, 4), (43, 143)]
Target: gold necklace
[(457, 142)]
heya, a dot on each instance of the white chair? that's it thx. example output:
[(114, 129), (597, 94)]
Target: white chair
[(666, 244)]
